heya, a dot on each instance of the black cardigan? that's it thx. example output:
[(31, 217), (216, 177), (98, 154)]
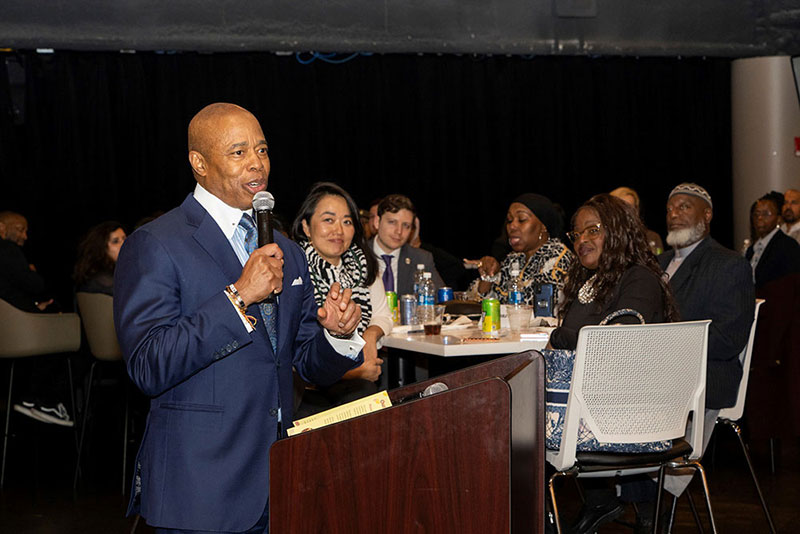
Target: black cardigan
[(638, 289)]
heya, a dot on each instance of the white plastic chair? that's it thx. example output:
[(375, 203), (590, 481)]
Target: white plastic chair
[(24, 334), (632, 384), (731, 416)]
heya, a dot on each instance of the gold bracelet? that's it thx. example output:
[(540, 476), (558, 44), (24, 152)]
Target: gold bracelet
[(237, 301)]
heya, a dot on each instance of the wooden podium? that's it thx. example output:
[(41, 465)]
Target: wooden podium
[(466, 460)]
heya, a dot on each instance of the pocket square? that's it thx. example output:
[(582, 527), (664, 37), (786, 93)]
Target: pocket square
[(297, 281)]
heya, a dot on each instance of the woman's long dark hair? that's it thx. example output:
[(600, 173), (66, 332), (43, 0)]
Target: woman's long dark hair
[(625, 245), (93, 257), (309, 206)]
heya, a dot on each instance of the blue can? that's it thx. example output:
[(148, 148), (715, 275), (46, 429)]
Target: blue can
[(445, 293)]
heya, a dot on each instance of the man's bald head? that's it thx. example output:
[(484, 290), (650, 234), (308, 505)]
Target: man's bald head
[(228, 153), (14, 226), (205, 125)]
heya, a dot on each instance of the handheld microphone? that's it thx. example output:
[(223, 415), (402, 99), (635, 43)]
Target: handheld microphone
[(263, 202)]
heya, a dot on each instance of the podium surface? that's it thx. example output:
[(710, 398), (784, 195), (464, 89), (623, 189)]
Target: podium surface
[(454, 462)]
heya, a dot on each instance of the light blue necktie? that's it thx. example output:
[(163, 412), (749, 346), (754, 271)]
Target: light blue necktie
[(269, 311)]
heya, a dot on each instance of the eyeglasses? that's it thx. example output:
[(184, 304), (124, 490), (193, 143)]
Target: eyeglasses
[(590, 232), (766, 214)]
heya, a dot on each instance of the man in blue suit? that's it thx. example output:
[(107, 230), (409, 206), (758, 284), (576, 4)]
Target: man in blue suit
[(198, 338)]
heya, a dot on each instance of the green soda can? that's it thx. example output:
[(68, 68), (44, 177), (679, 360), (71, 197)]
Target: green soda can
[(490, 315), (391, 300)]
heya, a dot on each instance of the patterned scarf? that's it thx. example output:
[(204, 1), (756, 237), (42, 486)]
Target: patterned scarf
[(350, 273)]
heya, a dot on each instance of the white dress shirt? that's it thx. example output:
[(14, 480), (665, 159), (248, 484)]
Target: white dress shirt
[(677, 259)]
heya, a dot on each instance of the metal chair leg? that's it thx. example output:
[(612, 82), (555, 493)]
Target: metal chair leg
[(694, 511), (772, 455), (707, 494), (552, 490), (125, 435), (84, 418), (5, 432), (671, 518), (738, 432), (660, 492), (72, 400)]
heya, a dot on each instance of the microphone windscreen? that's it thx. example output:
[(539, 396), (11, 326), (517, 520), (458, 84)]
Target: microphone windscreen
[(263, 200), (436, 387)]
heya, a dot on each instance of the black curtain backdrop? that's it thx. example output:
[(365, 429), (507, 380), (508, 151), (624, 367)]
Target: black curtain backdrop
[(104, 136)]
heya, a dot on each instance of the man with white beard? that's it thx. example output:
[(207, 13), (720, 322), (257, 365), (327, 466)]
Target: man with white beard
[(708, 281)]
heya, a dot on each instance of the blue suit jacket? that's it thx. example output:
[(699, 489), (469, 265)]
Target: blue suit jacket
[(715, 283), (204, 460)]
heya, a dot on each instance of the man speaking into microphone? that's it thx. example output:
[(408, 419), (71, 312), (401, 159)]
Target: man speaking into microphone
[(201, 337)]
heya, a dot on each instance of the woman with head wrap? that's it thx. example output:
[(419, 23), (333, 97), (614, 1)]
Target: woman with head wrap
[(533, 225)]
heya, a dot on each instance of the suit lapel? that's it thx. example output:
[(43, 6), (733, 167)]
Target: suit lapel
[(209, 236)]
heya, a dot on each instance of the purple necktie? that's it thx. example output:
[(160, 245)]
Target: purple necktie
[(388, 275)]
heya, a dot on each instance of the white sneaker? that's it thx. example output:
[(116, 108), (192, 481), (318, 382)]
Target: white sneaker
[(25, 410), (49, 414)]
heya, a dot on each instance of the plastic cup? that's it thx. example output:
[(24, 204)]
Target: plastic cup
[(519, 317), (433, 323)]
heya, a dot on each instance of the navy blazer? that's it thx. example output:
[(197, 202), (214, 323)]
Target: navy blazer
[(715, 283), (216, 389), (781, 257)]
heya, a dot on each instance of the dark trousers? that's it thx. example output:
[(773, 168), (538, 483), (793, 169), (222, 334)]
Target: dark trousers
[(261, 527)]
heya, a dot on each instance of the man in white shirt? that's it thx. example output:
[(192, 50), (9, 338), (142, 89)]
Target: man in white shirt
[(397, 260), (774, 255), (200, 338)]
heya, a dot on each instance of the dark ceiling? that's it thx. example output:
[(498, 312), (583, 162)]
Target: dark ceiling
[(726, 28)]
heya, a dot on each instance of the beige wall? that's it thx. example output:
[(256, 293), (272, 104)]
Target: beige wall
[(765, 117)]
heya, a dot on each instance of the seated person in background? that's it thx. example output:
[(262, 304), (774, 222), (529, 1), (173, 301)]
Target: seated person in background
[(328, 229), (791, 214), (397, 260), (615, 270), (97, 257), (371, 227), (774, 254), (20, 284), (532, 224), (22, 287), (451, 268), (632, 197), (709, 281)]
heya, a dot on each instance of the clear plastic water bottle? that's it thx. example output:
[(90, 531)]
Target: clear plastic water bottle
[(418, 279), (426, 299), (514, 288)]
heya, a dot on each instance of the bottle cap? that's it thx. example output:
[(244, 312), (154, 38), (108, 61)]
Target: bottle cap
[(426, 275)]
